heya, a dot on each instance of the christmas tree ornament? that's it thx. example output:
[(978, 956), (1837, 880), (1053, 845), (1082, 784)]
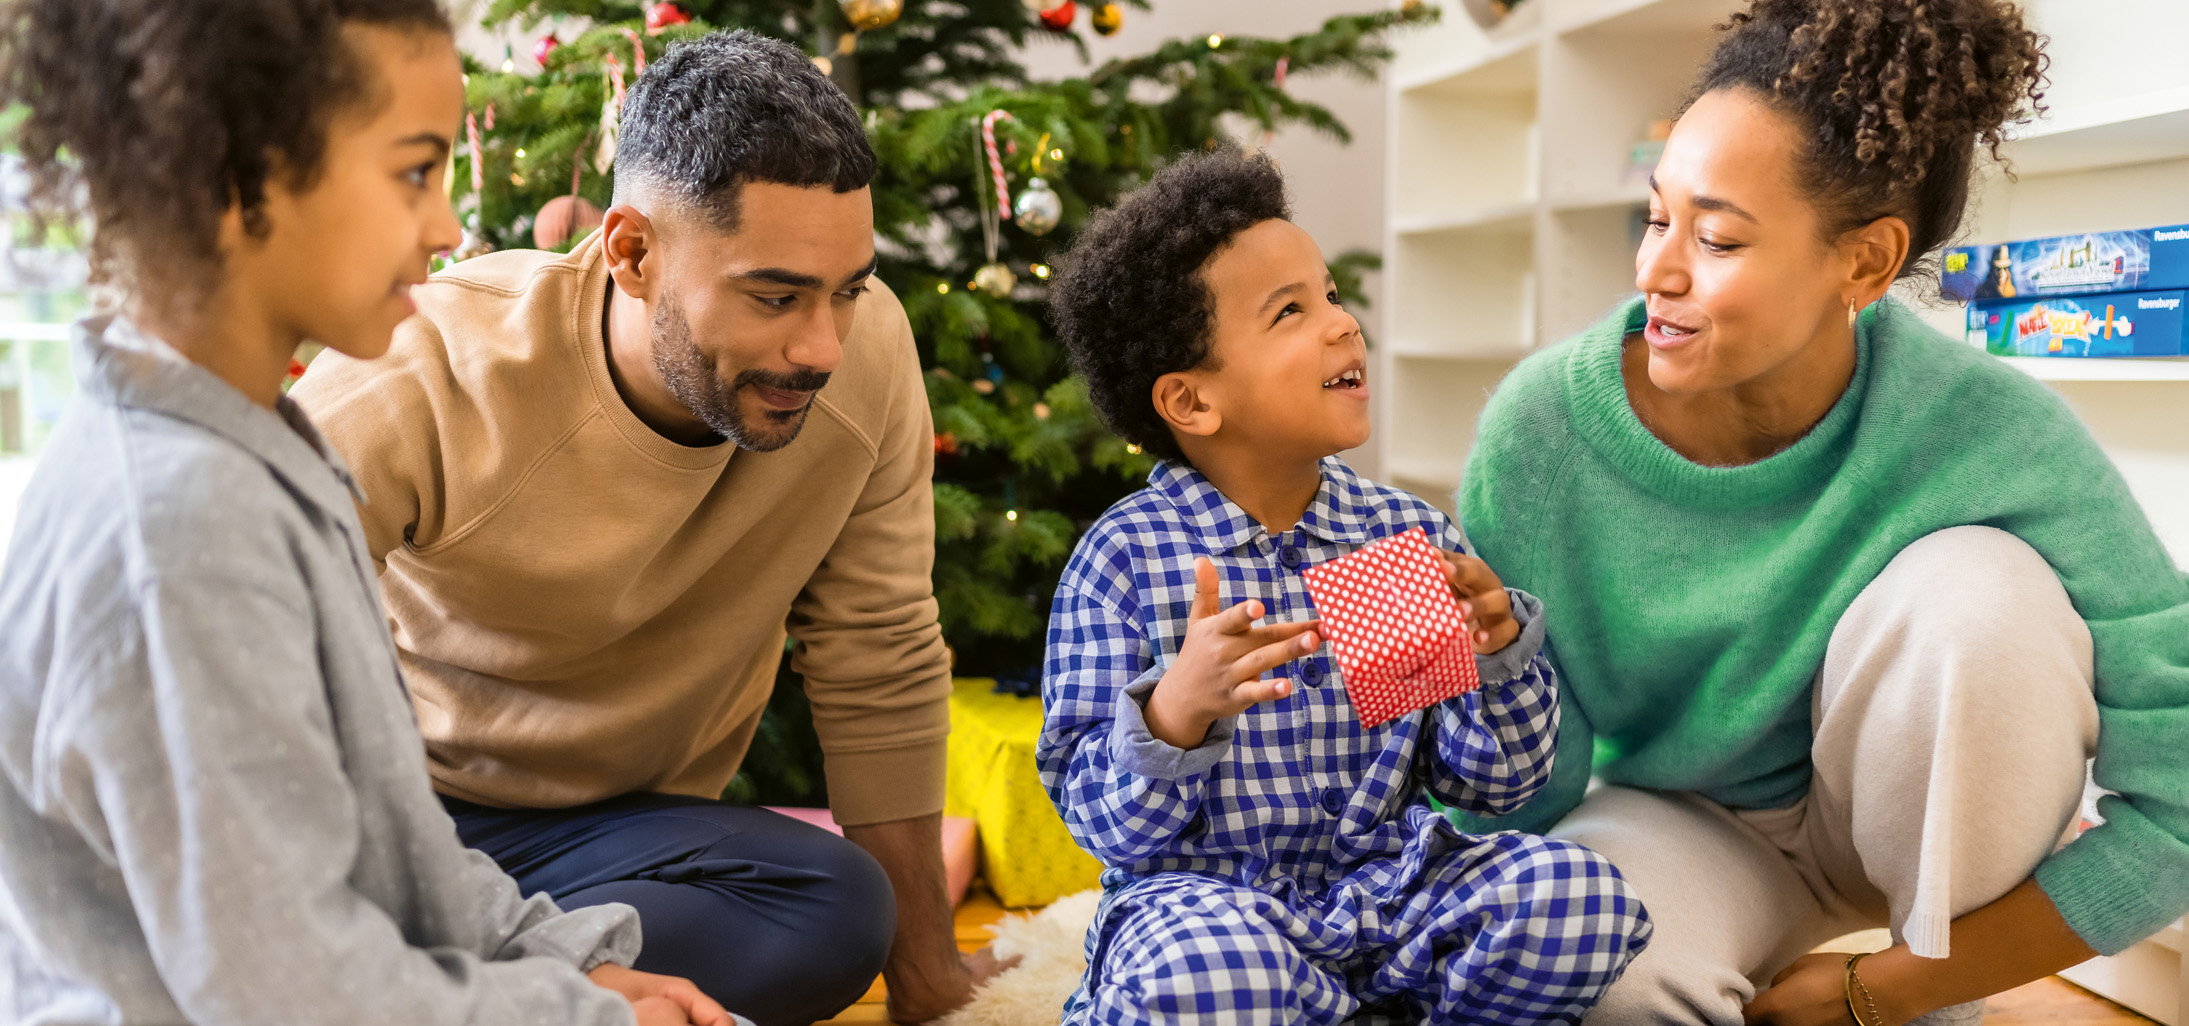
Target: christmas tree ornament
[(995, 279), (1107, 19), (562, 219), (1041, 411), (1059, 18), (868, 15), (1039, 208), (664, 16), (984, 386), (542, 47), (946, 443), (474, 244), (611, 108)]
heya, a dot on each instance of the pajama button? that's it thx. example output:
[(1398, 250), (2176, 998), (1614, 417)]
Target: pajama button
[(1333, 800), (1289, 556), (1313, 671)]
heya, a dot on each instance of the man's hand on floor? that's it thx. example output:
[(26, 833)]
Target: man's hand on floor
[(916, 996), (660, 1000)]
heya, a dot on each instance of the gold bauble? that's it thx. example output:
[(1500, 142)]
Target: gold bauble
[(995, 279), (1108, 18), (868, 15)]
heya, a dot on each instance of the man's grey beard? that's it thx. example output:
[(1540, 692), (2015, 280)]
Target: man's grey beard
[(692, 380)]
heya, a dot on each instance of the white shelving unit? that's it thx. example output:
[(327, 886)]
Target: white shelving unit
[(1511, 223)]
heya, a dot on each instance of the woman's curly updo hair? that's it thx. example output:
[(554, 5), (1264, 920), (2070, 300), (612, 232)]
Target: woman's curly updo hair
[(1130, 302), (1894, 97), (154, 116)]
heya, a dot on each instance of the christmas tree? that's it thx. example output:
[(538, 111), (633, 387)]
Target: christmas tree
[(983, 175)]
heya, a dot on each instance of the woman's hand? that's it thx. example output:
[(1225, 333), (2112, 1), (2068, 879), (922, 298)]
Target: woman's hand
[(1811, 992), (1482, 600), (660, 1000)]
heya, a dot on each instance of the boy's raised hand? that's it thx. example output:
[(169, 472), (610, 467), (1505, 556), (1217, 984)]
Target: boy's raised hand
[(1482, 602), (1220, 663)]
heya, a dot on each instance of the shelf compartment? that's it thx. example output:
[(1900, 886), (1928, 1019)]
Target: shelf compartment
[(1589, 257), (1502, 68), (1466, 144), (2134, 129), (1466, 292), (1435, 405), (1507, 217), (1606, 88)]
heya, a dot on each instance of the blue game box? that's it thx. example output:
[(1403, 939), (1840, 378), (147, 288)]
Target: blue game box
[(2110, 324), (2068, 265)]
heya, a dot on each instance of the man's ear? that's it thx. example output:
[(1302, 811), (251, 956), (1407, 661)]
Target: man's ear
[(1874, 255), (1181, 400), (628, 237)]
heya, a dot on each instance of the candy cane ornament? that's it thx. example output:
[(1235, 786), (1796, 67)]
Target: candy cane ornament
[(995, 161)]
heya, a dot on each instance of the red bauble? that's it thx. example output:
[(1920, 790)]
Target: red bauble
[(1059, 18), (946, 444), (562, 219), (665, 15), (544, 46)]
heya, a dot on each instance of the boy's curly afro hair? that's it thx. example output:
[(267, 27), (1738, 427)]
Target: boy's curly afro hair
[(1130, 303)]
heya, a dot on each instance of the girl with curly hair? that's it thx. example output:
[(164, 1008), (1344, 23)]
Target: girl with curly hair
[(1840, 605), (214, 805)]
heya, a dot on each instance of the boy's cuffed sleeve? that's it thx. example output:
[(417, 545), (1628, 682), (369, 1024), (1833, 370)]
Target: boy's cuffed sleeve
[(1136, 749), (206, 752), (1125, 795)]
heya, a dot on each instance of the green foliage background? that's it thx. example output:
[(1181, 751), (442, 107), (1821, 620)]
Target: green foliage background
[(1031, 466)]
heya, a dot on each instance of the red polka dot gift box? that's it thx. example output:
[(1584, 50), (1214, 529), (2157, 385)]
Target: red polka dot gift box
[(1394, 627)]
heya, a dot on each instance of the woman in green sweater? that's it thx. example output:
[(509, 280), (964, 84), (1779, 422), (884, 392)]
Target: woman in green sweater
[(1841, 606)]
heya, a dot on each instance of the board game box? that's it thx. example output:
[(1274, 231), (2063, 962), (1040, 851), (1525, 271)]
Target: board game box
[(2065, 265), (2109, 324)]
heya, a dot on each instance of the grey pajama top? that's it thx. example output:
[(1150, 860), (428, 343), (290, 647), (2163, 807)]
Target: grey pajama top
[(215, 806)]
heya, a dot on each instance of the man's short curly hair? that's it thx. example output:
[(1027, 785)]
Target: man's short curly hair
[(1130, 301), (155, 117)]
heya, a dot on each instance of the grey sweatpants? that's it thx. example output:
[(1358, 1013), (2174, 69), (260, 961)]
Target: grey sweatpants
[(1953, 719)]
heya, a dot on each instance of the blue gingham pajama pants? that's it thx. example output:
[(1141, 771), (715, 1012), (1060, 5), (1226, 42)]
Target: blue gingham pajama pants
[(1508, 928)]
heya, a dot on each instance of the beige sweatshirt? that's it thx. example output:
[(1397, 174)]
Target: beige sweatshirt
[(586, 609)]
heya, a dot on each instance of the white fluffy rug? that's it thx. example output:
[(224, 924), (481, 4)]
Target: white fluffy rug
[(1051, 946)]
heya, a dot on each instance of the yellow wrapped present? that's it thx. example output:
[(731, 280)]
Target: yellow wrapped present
[(1028, 857)]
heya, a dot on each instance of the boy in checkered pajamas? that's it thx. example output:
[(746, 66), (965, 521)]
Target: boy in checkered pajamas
[(1270, 859)]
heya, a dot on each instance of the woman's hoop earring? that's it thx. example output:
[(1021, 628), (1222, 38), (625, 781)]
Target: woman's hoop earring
[(1852, 313)]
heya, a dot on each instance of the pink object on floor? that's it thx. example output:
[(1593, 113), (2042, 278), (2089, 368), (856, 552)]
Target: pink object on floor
[(960, 844)]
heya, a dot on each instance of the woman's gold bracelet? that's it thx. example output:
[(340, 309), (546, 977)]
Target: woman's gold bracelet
[(1854, 983)]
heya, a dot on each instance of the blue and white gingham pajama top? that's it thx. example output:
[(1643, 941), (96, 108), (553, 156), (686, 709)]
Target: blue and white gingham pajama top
[(1291, 868)]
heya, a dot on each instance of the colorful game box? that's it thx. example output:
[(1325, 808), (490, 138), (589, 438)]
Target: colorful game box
[(2067, 265), (2111, 324)]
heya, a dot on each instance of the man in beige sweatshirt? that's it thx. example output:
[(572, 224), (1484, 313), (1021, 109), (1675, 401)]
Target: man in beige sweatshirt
[(602, 488)]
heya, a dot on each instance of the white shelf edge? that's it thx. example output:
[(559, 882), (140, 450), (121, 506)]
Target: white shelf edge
[(1585, 202), (1439, 74), (1505, 216), (2074, 368), (2124, 130)]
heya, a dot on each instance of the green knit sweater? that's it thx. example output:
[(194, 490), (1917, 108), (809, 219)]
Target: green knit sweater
[(1689, 606)]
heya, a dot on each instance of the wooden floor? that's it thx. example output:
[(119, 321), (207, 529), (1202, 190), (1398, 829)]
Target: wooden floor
[(2047, 1002)]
